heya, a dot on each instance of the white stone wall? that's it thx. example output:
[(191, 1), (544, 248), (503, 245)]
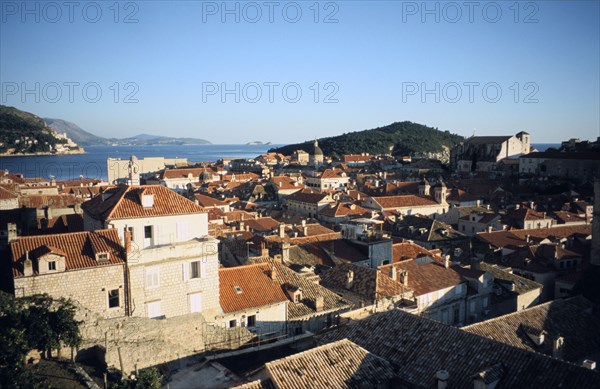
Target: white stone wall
[(9, 204), (88, 286), (270, 318), (173, 290), (165, 229)]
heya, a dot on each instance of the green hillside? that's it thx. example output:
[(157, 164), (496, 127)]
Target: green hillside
[(23, 132), (397, 138)]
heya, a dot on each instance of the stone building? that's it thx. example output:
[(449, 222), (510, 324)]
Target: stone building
[(88, 267), (315, 158), (483, 153), (172, 263), (121, 170)]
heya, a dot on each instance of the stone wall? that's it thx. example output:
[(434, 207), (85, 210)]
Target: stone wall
[(128, 343), (87, 286)]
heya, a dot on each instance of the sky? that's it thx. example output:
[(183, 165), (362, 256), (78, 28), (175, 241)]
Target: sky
[(285, 72)]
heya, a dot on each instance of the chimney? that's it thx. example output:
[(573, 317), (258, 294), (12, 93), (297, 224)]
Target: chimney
[(394, 273), (589, 364), (319, 303), (285, 251), (442, 377), (527, 238), (349, 279), (557, 347), (489, 228), (447, 261), (304, 231), (12, 232), (404, 278), (282, 230), (264, 251), (241, 226), (127, 235), (303, 222), (278, 258), (27, 265), (273, 273)]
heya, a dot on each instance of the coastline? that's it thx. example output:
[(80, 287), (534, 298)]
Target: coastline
[(43, 153)]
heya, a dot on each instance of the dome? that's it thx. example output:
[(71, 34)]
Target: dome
[(317, 150)]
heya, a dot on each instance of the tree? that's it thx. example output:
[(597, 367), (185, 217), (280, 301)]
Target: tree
[(148, 379), (33, 322)]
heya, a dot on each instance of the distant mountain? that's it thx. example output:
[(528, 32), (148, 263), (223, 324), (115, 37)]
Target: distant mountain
[(85, 138), (157, 140), (400, 138), (258, 143), (74, 132), (23, 133)]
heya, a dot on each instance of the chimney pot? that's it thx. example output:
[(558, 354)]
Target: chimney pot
[(442, 379)]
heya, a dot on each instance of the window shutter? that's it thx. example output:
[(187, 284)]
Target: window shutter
[(186, 271), (203, 267)]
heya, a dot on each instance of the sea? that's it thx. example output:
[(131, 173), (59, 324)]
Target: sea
[(92, 164)]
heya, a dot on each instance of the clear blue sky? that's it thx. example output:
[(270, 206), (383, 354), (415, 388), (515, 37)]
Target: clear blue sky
[(374, 59)]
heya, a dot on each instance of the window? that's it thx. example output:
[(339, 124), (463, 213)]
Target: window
[(252, 321), (232, 323), (130, 229), (152, 278), (195, 269), (456, 314), (153, 309), (485, 302), (102, 256), (113, 298), (458, 289), (196, 302), (472, 306), (148, 232), (52, 265)]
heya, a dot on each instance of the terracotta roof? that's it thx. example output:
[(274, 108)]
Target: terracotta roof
[(460, 195), (286, 183), (79, 249), (555, 318), (388, 202), (125, 203), (564, 217), (310, 291), (332, 173), (340, 364), (368, 283), (425, 277), (263, 224), (407, 250), (183, 173), (518, 237), (307, 196), (343, 209), (418, 347), (207, 201), (6, 194), (422, 228), (356, 158), (522, 284), (256, 288), (54, 201)]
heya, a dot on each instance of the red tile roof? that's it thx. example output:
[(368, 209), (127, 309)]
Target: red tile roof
[(424, 278), (257, 288), (125, 203), (518, 237), (207, 201), (387, 202), (78, 248)]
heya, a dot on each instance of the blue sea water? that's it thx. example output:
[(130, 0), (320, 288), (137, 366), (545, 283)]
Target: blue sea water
[(92, 164)]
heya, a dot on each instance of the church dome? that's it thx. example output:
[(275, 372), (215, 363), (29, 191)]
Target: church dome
[(317, 150)]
